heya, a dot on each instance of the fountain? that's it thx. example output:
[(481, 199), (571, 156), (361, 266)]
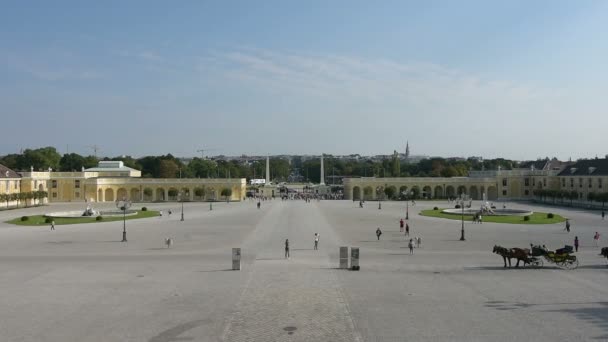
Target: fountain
[(486, 209)]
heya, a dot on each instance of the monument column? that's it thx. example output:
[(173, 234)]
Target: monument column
[(322, 181), (267, 170)]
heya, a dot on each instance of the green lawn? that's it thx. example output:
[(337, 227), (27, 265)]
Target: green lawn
[(38, 220), (535, 218)]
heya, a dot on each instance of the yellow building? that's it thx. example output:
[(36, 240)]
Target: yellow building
[(10, 183), (111, 181)]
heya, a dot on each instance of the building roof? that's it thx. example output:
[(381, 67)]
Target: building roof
[(587, 167), (538, 164), (110, 166), (5, 172)]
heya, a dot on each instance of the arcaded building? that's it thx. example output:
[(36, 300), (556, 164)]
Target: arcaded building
[(111, 181)]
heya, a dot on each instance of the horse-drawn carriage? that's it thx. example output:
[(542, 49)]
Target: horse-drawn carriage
[(561, 257), (534, 256)]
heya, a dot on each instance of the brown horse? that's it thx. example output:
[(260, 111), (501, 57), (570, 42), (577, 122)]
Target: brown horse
[(604, 252), (521, 254)]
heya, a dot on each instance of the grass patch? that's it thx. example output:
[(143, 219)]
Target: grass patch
[(535, 218), (39, 220)]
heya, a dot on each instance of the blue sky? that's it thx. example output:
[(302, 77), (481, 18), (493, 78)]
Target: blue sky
[(514, 79)]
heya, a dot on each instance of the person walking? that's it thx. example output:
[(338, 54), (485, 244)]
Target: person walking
[(576, 243), (407, 229), (596, 238), (603, 214), (411, 246), (567, 226), (378, 233), (53, 225), (316, 241), (419, 242), (401, 225), (480, 219), (286, 248)]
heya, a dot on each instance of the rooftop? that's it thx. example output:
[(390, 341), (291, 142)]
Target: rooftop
[(587, 167), (5, 172)]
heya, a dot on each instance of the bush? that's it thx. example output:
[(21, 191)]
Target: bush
[(527, 218), (550, 215), (435, 208), (457, 206), (144, 209), (48, 220), (24, 218), (98, 218)]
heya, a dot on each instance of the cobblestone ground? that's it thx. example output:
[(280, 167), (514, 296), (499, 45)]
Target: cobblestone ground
[(80, 283)]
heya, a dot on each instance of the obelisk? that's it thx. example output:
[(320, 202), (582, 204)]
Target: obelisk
[(267, 170), (322, 172)]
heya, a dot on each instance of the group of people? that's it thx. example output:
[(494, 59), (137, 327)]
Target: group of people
[(404, 227)]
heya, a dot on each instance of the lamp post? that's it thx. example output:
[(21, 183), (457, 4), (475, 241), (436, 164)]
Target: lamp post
[(461, 201), (181, 198), (124, 205), (378, 190), (407, 204)]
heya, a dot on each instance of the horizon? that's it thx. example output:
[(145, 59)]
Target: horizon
[(210, 156)]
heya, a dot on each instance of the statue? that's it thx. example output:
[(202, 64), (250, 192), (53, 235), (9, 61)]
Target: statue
[(89, 211)]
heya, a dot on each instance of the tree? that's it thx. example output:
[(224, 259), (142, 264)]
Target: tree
[(39, 159), (573, 196), (395, 165), (415, 192), (390, 192), (14, 197), (4, 198), (367, 192), (172, 192), (148, 192), (71, 162), (168, 168), (199, 192), (202, 168), (226, 192)]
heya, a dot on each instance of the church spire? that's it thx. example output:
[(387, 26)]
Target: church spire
[(407, 150)]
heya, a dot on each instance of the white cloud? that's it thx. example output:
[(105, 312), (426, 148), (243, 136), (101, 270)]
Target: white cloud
[(375, 80)]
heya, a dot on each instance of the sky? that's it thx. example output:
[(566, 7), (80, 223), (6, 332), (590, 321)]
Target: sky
[(512, 79)]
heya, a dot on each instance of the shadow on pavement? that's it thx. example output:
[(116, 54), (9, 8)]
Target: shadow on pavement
[(595, 315), (595, 267), (498, 268), (224, 270)]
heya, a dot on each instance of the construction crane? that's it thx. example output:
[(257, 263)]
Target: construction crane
[(95, 148), (203, 150)]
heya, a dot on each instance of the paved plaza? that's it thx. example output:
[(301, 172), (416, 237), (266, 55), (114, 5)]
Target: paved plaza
[(80, 283)]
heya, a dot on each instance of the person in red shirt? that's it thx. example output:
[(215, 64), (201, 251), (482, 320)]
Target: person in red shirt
[(401, 225)]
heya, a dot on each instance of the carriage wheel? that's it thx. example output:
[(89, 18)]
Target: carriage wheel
[(571, 264), (538, 263)]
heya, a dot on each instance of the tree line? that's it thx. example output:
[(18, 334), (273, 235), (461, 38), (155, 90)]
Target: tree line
[(168, 166), (569, 195), (23, 197)]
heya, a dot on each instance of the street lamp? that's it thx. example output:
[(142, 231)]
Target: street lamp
[(461, 201), (181, 198), (378, 189), (124, 205), (407, 204)]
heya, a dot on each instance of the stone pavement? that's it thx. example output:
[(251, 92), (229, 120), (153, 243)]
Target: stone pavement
[(79, 283)]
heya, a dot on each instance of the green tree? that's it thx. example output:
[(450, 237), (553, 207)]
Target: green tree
[(395, 165), (71, 162), (199, 192), (226, 193), (168, 168), (390, 192)]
